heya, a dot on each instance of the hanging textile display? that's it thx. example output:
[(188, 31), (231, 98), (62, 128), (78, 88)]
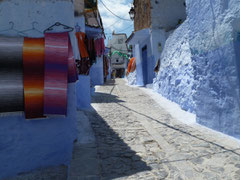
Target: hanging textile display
[(33, 68), (34, 74), (131, 65), (11, 74), (91, 51), (56, 73), (82, 44), (100, 46), (72, 69)]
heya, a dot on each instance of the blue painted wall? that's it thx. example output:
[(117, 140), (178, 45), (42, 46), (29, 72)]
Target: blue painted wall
[(96, 72), (138, 53), (175, 78), (26, 145), (83, 92), (215, 62)]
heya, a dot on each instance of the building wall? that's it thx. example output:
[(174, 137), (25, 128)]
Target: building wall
[(214, 47), (96, 72), (78, 7), (158, 39), (139, 62), (118, 43), (142, 14), (26, 145), (175, 78), (165, 14)]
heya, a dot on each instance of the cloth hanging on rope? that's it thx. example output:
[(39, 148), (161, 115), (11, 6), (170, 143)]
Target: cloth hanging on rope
[(100, 46), (131, 65), (72, 67), (91, 51), (83, 66), (33, 67), (103, 48), (56, 73), (82, 44), (11, 74)]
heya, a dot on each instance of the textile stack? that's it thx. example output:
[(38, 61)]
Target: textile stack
[(34, 74), (11, 74)]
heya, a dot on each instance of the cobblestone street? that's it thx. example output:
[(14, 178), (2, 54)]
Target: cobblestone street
[(138, 139)]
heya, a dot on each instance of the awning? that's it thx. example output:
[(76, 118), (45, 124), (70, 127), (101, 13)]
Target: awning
[(138, 36)]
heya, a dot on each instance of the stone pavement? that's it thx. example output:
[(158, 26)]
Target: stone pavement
[(50, 173), (137, 139)]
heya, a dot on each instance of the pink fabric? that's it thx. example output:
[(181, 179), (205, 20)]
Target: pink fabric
[(72, 69), (103, 46), (100, 46), (56, 73)]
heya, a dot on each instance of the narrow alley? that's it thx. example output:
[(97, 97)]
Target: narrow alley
[(137, 139)]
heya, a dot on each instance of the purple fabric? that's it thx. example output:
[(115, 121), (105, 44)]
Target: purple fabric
[(56, 73)]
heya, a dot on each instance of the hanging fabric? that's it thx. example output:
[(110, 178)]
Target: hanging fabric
[(11, 74), (33, 67), (130, 65), (98, 47), (133, 67), (56, 73), (103, 48), (82, 44), (72, 69), (91, 51), (83, 66)]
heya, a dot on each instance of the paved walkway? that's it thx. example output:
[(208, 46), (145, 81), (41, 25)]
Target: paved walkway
[(138, 139)]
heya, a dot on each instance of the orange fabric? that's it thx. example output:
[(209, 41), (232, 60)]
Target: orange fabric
[(133, 67), (33, 67), (81, 44), (130, 64)]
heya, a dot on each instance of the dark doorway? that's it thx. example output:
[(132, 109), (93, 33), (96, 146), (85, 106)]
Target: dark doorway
[(144, 65)]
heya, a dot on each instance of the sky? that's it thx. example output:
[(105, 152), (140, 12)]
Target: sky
[(111, 22)]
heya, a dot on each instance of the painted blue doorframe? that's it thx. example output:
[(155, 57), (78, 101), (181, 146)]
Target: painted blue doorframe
[(145, 65)]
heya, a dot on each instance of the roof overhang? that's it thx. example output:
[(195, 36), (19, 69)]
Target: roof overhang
[(93, 31), (138, 36)]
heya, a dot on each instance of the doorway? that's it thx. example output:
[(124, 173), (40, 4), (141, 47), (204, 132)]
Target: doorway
[(144, 65)]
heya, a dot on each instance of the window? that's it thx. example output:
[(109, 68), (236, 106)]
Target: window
[(120, 41)]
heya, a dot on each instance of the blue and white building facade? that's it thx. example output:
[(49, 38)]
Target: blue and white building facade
[(148, 42), (199, 57)]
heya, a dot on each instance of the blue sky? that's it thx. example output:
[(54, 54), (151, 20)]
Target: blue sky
[(111, 22)]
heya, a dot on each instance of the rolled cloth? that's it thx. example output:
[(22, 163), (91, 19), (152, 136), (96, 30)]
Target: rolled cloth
[(33, 66), (72, 68), (56, 73), (11, 74)]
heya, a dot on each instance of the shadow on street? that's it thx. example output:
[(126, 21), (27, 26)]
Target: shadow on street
[(116, 158)]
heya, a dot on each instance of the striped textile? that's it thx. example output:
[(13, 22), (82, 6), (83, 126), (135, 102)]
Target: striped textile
[(11, 74), (72, 68), (33, 68), (56, 73)]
